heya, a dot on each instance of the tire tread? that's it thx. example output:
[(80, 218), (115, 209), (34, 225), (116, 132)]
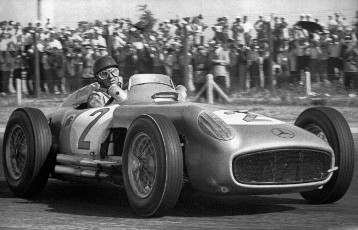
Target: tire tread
[(40, 132), (343, 145)]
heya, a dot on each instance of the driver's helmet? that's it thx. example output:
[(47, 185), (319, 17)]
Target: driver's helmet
[(102, 63)]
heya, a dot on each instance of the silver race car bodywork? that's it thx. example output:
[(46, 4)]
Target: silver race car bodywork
[(226, 151)]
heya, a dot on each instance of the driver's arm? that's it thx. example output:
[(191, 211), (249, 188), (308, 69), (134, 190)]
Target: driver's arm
[(97, 99)]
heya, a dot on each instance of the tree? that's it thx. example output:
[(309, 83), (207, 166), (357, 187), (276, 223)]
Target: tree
[(146, 19)]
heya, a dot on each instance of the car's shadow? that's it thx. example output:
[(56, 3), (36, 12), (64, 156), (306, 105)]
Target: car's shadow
[(107, 201)]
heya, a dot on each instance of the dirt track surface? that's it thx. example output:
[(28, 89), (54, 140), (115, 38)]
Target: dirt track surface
[(63, 205)]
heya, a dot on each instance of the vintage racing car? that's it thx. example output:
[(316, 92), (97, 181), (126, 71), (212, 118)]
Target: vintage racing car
[(155, 142)]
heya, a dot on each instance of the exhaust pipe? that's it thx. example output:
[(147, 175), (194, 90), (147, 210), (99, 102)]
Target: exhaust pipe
[(75, 160), (65, 170)]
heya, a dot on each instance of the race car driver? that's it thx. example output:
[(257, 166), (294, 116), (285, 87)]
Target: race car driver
[(106, 72)]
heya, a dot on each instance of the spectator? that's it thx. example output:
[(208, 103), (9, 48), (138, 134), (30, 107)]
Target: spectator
[(130, 60), (355, 26), (54, 42), (233, 67), (198, 29), (168, 61), (308, 17), (284, 30), (334, 51), (30, 71), (144, 63), (323, 58), (218, 30), (70, 84), (242, 64), (248, 30), (302, 57), (17, 67), (102, 50), (254, 61), (225, 29), (315, 53), (6, 61), (158, 59), (88, 59), (332, 24), (276, 35), (258, 26), (48, 77), (177, 67), (316, 20), (292, 63), (221, 60), (200, 65), (344, 24), (119, 57), (79, 65), (282, 60), (238, 31), (56, 65), (351, 68)]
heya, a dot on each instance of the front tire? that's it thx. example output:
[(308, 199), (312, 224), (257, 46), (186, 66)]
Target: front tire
[(152, 165), (330, 125), (27, 143)]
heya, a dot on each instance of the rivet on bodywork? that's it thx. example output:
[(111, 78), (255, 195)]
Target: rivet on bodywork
[(224, 189)]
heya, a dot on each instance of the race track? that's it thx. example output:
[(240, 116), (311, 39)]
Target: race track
[(63, 205)]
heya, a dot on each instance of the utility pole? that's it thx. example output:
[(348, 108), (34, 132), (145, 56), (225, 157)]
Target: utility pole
[(270, 43), (186, 57), (39, 9), (37, 59)]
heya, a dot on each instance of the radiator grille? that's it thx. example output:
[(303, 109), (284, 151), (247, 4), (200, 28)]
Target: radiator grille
[(282, 167)]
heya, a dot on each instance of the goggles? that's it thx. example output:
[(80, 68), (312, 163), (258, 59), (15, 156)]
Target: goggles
[(107, 73)]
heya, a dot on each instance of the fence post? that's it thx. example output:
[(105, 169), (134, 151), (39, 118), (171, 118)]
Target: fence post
[(210, 86), (209, 89), (23, 81), (18, 91), (308, 82), (37, 67), (262, 75)]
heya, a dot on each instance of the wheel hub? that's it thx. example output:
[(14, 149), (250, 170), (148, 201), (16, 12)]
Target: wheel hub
[(315, 129), (16, 152), (136, 164), (142, 165)]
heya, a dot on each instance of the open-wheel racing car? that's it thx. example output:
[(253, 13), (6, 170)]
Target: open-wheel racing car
[(155, 142)]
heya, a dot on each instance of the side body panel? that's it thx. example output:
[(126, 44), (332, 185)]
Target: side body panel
[(82, 131)]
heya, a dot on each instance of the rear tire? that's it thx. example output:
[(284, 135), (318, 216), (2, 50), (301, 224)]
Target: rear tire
[(152, 165), (330, 125), (26, 146)]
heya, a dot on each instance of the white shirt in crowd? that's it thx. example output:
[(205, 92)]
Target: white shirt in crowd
[(101, 41), (249, 28), (3, 44), (55, 44)]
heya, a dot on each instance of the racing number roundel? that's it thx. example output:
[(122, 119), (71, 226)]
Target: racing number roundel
[(89, 129), (82, 143)]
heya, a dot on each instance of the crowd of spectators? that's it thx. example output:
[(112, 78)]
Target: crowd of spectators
[(238, 55)]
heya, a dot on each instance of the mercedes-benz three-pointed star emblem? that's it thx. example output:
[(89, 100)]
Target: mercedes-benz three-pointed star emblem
[(283, 133)]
